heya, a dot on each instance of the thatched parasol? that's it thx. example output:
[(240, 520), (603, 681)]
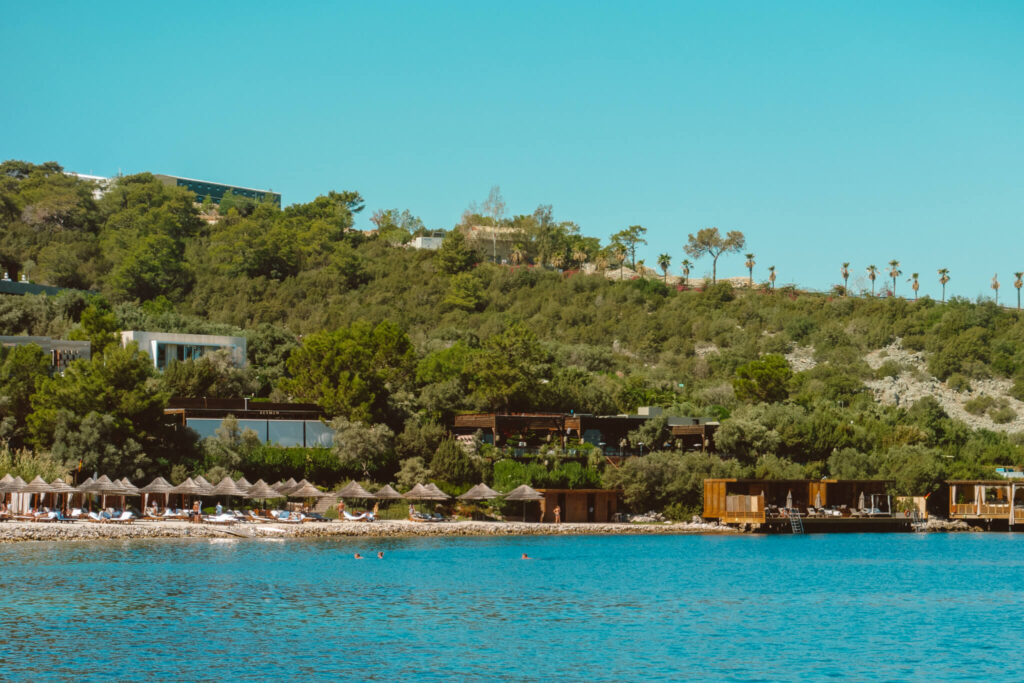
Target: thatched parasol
[(6, 479), (306, 490), (203, 484), (354, 490), (36, 486), (525, 494), (243, 484), (417, 492), (130, 488), (261, 491), (228, 487), (285, 487), (387, 493), (158, 485), (480, 492), (438, 494), (188, 487), (60, 486)]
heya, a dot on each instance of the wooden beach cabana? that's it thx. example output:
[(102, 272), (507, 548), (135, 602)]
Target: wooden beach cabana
[(580, 505), (992, 501), (818, 505)]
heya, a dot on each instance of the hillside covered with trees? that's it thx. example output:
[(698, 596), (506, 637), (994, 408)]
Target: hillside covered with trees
[(392, 342)]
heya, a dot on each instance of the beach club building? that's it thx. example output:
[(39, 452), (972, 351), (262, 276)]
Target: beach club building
[(531, 431), (280, 424), (164, 347)]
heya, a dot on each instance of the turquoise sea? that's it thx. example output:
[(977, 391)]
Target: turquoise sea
[(825, 607)]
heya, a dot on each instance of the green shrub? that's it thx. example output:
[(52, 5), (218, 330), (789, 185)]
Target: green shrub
[(1017, 390), (959, 382), (1003, 415), (889, 368), (979, 405)]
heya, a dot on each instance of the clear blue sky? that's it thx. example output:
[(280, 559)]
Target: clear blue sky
[(825, 131)]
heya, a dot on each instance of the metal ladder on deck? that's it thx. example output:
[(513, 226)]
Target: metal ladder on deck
[(795, 522), (917, 521)]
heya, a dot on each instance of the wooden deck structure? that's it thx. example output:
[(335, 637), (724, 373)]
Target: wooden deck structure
[(990, 501), (609, 431), (823, 505)]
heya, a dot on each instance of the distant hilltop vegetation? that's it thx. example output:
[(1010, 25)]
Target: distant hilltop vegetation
[(404, 327)]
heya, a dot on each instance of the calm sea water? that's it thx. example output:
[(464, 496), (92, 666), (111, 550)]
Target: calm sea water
[(880, 607)]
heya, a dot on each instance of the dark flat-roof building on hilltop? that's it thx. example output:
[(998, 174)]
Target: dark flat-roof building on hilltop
[(216, 191)]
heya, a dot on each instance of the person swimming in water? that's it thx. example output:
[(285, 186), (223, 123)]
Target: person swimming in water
[(526, 557), (359, 557), (380, 554)]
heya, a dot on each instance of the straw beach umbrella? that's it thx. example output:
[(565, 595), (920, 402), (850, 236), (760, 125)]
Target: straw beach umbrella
[(262, 491), (480, 492), (438, 494), (354, 490), (203, 484), (59, 486), (387, 493), (187, 488), (227, 487), (417, 492), (36, 487), (243, 484), (158, 485), (306, 490), (525, 494)]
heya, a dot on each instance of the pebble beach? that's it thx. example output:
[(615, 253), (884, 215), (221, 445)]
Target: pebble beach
[(14, 532)]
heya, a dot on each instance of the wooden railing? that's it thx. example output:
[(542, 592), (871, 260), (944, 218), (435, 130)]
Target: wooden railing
[(983, 510)]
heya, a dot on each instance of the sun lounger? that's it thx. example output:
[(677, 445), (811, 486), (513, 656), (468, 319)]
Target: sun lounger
[(125, 517), (222, 518), (290, 517), (362, 517)]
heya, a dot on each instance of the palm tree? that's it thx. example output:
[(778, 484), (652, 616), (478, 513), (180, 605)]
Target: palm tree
[(845, 272), (894, 272), (943, 279), (664, 261), (872, 274), (771, 275), (686, 270), (619, 254), (601, 260), (518, 255), (580, 256), (995, 286), (558, 260), (750, 267), (914, 284), (1018, 283)]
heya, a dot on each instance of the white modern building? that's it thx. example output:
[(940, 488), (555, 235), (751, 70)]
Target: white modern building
[(164, 347), (430, 242)]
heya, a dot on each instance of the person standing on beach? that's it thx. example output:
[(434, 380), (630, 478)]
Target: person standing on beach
[(197, 512), (558, 514), (341, 509)]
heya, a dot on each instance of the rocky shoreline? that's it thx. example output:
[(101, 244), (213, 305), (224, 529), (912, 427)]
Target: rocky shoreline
[(14, 532)]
